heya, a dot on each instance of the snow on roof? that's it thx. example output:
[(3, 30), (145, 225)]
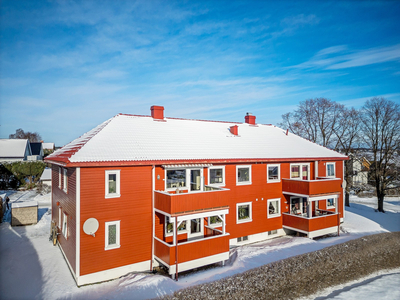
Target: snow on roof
[(141, 138), (46, 175), (48, 146), (20, 204), (13, 147)]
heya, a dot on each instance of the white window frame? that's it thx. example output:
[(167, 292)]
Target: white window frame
[(302, 212), (117, 184), (279, 207), (59, 177), (250, 219), (65, 180), (334, 170), (331, 206), (65, 225), (179, 231), (301, 170), (218, 224), (237, 170), (223, 176), (117, 234), (279, 173), (196, 234), (59, 217), (187, 179)]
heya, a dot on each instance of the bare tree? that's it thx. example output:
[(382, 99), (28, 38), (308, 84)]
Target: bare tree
[(314, 119), (31, 136), (346, 140), (381, 134)]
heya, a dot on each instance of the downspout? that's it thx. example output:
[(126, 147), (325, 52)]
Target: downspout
[(176, 248), (152, 215)]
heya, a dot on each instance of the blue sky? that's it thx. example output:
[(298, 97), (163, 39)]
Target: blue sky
[(67, 66)]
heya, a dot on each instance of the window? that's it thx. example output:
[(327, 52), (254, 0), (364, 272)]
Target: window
[(330, 203), (169, 227), (300, 171), (330, 169), (242, 239), (64, 225), (243, 212), (176, 178), (298, 206), (112, 235), (113, 184), (59, 177), (216, 175), (272, 232), (243, 174), (214, 221), (273, 173), (274, 208), (65, 180), (59, 217)]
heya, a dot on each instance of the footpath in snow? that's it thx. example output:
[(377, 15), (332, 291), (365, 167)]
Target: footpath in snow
[(31, 267)]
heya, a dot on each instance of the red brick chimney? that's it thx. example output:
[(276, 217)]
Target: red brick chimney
[(157, 112), (250, 119), (234, 129)]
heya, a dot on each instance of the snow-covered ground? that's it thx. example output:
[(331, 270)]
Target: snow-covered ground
[(31, 267)]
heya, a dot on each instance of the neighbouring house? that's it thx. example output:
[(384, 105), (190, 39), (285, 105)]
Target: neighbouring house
[(138, 192), (37, 151), (45, 178), (360, 170), (48, 146), (12, 150)]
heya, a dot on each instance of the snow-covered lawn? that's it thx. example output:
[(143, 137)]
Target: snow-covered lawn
[(31, 267)]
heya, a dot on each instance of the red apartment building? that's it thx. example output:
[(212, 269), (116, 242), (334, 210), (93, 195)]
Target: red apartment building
[(137, 192)]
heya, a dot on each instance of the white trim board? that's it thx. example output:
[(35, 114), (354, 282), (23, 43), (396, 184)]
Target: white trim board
[(113, 273)]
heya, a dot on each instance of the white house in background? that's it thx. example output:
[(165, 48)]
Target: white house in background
[(48, 146), (46, 177), (14, 150), (360, 170)]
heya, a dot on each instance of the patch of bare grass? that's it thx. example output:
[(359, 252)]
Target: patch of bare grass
[(305, 274)]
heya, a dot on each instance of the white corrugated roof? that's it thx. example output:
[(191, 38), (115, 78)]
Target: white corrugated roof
[(138, 138), (48, 146), (12, 147), (46, 175)]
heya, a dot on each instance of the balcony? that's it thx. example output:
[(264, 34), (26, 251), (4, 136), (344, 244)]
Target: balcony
[(212, 248), (172, 203), (320, 186), (321, 223)]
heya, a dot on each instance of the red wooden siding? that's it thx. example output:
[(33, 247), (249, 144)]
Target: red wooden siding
[(192, 250), (132, 209), (313, 187), (179, 203), (310, 224), (68, 205)]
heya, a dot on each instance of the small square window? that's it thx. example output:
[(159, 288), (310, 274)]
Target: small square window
[(215, 221), (243, 175), (273, 173), (216, 175), (330, 203), (176, 178), (112, 184), (243, 212), (300, 171), (330, 169), (274, 208), (112, 236), (169, 227)]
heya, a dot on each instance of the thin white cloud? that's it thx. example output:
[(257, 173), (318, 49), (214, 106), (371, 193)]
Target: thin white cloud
[(326, 58)]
